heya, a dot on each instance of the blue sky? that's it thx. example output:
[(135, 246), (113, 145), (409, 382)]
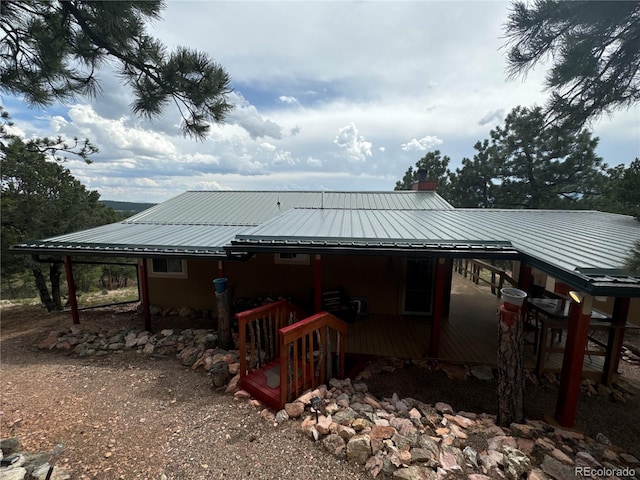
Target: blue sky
[(328, 95)]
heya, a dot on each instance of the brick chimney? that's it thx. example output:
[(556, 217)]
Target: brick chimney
[(423, 183)]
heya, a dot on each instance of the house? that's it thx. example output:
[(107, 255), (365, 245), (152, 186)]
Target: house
[(391, 251)]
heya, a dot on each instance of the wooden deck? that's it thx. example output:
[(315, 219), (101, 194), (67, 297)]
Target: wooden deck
[(469, 335)]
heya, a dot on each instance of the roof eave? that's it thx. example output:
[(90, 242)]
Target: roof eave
[(118, 251), (415, 248)]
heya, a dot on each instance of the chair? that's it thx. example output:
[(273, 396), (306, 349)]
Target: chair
[(337, 303)]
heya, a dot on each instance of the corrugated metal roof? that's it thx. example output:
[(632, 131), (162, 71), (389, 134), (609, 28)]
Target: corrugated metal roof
[(210, 224), (255, 208), (130, 238), (206, 221), (571, 240)]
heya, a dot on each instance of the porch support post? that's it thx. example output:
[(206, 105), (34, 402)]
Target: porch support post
[(573, 361), (615, 339), (524, 277), (438, 302), (144, 294), (220, 269), (71, 287), (317, 287), (510, 366)]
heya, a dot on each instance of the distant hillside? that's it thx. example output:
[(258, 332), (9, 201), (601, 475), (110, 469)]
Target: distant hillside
[(127, 207)]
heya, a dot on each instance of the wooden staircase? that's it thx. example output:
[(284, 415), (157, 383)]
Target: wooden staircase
[(282, 356)]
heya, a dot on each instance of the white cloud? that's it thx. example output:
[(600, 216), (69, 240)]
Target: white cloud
[(248, 117), (289, 100), (357, 148), (267, 146), (401, 70), (314, 162), (425, 143)]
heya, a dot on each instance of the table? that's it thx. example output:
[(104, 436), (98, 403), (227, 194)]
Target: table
[(552, 314)]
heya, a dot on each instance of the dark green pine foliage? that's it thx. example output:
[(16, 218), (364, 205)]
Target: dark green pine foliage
[(41, 199), (436, 167), (594, 50), (542, 166), (52, 50)]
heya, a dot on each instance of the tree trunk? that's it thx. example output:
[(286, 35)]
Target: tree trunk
[(54, 277), (43, 290), (510, 368), (224, 320)]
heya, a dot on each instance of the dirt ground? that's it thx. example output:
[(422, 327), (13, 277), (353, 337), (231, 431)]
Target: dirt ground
[(127, 415)]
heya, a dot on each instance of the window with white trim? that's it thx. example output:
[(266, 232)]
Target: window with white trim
[(167, 267)]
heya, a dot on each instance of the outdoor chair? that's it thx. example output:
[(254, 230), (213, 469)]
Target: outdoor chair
[(337, 303)]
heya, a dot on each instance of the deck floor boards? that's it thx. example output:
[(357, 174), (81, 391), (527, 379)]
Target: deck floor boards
[(469, 335)]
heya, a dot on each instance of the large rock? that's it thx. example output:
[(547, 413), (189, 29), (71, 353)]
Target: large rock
[(41, 472), (516, 463), (452, 459), (294, 409), (413, 472), (334, 444), (556, 469), (189, 355), (9, 445), (359, 449), (324, 425), (13, 473)]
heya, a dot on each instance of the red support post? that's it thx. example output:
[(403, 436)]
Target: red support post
[(571, 375), (438, 304), (524, 278), (71, 287), (144, 294), (317, 289)]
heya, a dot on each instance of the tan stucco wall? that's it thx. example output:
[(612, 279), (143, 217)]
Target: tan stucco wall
[(196, 291), (379, 280)]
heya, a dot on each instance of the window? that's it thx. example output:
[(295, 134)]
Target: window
[(168, 267), (292, 258)]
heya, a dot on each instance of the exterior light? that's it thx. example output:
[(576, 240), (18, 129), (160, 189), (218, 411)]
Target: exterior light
[(315, 406), (577, 297)]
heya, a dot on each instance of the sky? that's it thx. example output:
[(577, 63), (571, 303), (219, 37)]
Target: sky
[(328, 95)]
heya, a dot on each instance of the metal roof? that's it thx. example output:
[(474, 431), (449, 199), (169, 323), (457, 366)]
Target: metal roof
[(203, 222), (256, 207), (573, 239), (584, 243), (131, 239)]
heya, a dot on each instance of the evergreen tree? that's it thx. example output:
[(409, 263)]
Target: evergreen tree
[(542, 166), (51, 50), (594, 49), (41, 199), (436, 168)]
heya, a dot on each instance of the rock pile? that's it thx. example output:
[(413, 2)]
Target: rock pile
[(406, 439), (187, 343), (17, 465)]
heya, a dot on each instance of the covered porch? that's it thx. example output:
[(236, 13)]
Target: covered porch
[(469, 335)]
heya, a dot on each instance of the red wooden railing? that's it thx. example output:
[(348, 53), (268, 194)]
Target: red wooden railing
[(304, 349), (306, 353), (261, 326)]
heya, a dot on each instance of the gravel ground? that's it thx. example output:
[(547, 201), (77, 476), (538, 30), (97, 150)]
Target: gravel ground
[(127, 415), (132, 416)]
